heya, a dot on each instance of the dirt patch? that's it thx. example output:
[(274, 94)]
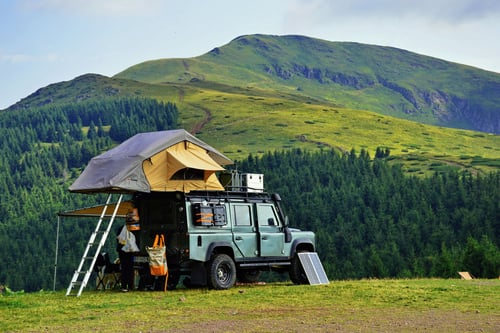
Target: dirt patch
[(329, 320), (199, 126)]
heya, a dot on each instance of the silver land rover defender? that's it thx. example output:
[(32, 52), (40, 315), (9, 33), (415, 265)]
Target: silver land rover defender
[(217, 237)]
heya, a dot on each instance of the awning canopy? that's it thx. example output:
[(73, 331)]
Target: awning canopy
[(123, 209), (155, 161)]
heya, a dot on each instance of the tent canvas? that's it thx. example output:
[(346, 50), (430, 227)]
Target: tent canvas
[(154, 161)]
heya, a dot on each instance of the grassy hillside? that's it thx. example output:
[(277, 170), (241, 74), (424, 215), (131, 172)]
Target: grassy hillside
[(243, 122), (349, 306), (249, 120), (381, 79)]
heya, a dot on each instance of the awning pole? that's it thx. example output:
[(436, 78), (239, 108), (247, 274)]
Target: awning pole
[(57, 251)]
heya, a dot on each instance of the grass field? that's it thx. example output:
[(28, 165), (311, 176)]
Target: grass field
[(431, 305), (252, 121)]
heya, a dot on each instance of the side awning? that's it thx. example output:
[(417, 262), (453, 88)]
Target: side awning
[(96, 211)]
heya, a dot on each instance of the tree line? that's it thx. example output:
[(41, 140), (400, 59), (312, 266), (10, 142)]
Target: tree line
[(42, 150), (371, 220)]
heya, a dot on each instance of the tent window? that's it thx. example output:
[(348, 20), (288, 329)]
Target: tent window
[(187, 173)]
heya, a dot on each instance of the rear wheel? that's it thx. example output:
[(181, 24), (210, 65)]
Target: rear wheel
[(297, 273), (221, 272)]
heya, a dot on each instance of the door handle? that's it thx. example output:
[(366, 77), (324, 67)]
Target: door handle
[(264, 238), (238, 238)]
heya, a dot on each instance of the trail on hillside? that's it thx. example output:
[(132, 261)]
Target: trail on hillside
[(199, 126), (303, 138), (180, 96)]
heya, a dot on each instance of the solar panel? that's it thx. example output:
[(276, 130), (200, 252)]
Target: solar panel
[(313, 268)]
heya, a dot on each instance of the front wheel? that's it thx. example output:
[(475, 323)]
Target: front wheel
[(221, 272), (297, 273)]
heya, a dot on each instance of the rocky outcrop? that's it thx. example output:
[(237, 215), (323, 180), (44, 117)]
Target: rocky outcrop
[(445, 107), (322, 76)]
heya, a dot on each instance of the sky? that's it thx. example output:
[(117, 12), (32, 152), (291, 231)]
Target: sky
[(49, 41)]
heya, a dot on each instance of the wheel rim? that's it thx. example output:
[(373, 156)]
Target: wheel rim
[(223, 273)]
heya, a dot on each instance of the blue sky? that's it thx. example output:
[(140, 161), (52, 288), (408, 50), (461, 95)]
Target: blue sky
[(49, 41)]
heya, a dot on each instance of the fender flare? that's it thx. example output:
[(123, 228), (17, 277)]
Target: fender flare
[(226, 245), (303, 242)]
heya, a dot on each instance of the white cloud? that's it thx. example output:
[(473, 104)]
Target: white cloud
[(450, 11), (96, 7), (14, 58), (20, 58)]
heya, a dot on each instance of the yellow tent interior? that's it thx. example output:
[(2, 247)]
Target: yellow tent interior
[(182, 167)]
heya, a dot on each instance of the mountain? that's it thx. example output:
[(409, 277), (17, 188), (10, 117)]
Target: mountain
[(262, 93), (386, 80)]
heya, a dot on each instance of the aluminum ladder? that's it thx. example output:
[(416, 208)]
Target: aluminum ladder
[(96, 242)]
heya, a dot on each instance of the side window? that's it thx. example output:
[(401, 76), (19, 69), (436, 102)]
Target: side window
[(267, 216), (242, 215)]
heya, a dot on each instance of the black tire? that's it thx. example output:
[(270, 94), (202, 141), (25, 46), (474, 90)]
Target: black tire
[(297, 273), (221, 272), (249, 275)]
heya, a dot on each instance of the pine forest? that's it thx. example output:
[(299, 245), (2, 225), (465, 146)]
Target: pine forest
[(371, 219)]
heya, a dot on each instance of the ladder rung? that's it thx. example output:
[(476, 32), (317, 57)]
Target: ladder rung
[(92, 241)]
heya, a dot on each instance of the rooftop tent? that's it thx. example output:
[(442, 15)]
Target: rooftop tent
[(155, 161)]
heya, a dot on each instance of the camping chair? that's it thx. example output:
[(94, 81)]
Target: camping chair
[(108, 274)]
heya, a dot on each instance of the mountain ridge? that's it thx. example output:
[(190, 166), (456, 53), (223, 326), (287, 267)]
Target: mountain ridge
[(383, 79)]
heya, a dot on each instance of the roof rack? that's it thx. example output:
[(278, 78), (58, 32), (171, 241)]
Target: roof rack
[(236, 181)]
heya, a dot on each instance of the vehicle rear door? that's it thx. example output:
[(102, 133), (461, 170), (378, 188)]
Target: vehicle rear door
[(244, 229)]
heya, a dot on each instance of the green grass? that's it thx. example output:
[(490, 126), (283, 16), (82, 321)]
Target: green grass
[(254, 121), (434, 305)]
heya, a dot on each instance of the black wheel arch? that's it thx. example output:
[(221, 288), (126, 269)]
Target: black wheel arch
[(302, 244), (219, 247)]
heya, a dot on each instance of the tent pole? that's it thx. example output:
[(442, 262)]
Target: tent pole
[(57, 250)]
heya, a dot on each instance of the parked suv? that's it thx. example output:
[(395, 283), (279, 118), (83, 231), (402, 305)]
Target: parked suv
[(216, 237)]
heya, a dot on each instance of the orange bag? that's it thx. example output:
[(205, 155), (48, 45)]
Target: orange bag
[(157, 257)]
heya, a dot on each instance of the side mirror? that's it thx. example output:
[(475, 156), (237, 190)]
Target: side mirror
[(288, 234)]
